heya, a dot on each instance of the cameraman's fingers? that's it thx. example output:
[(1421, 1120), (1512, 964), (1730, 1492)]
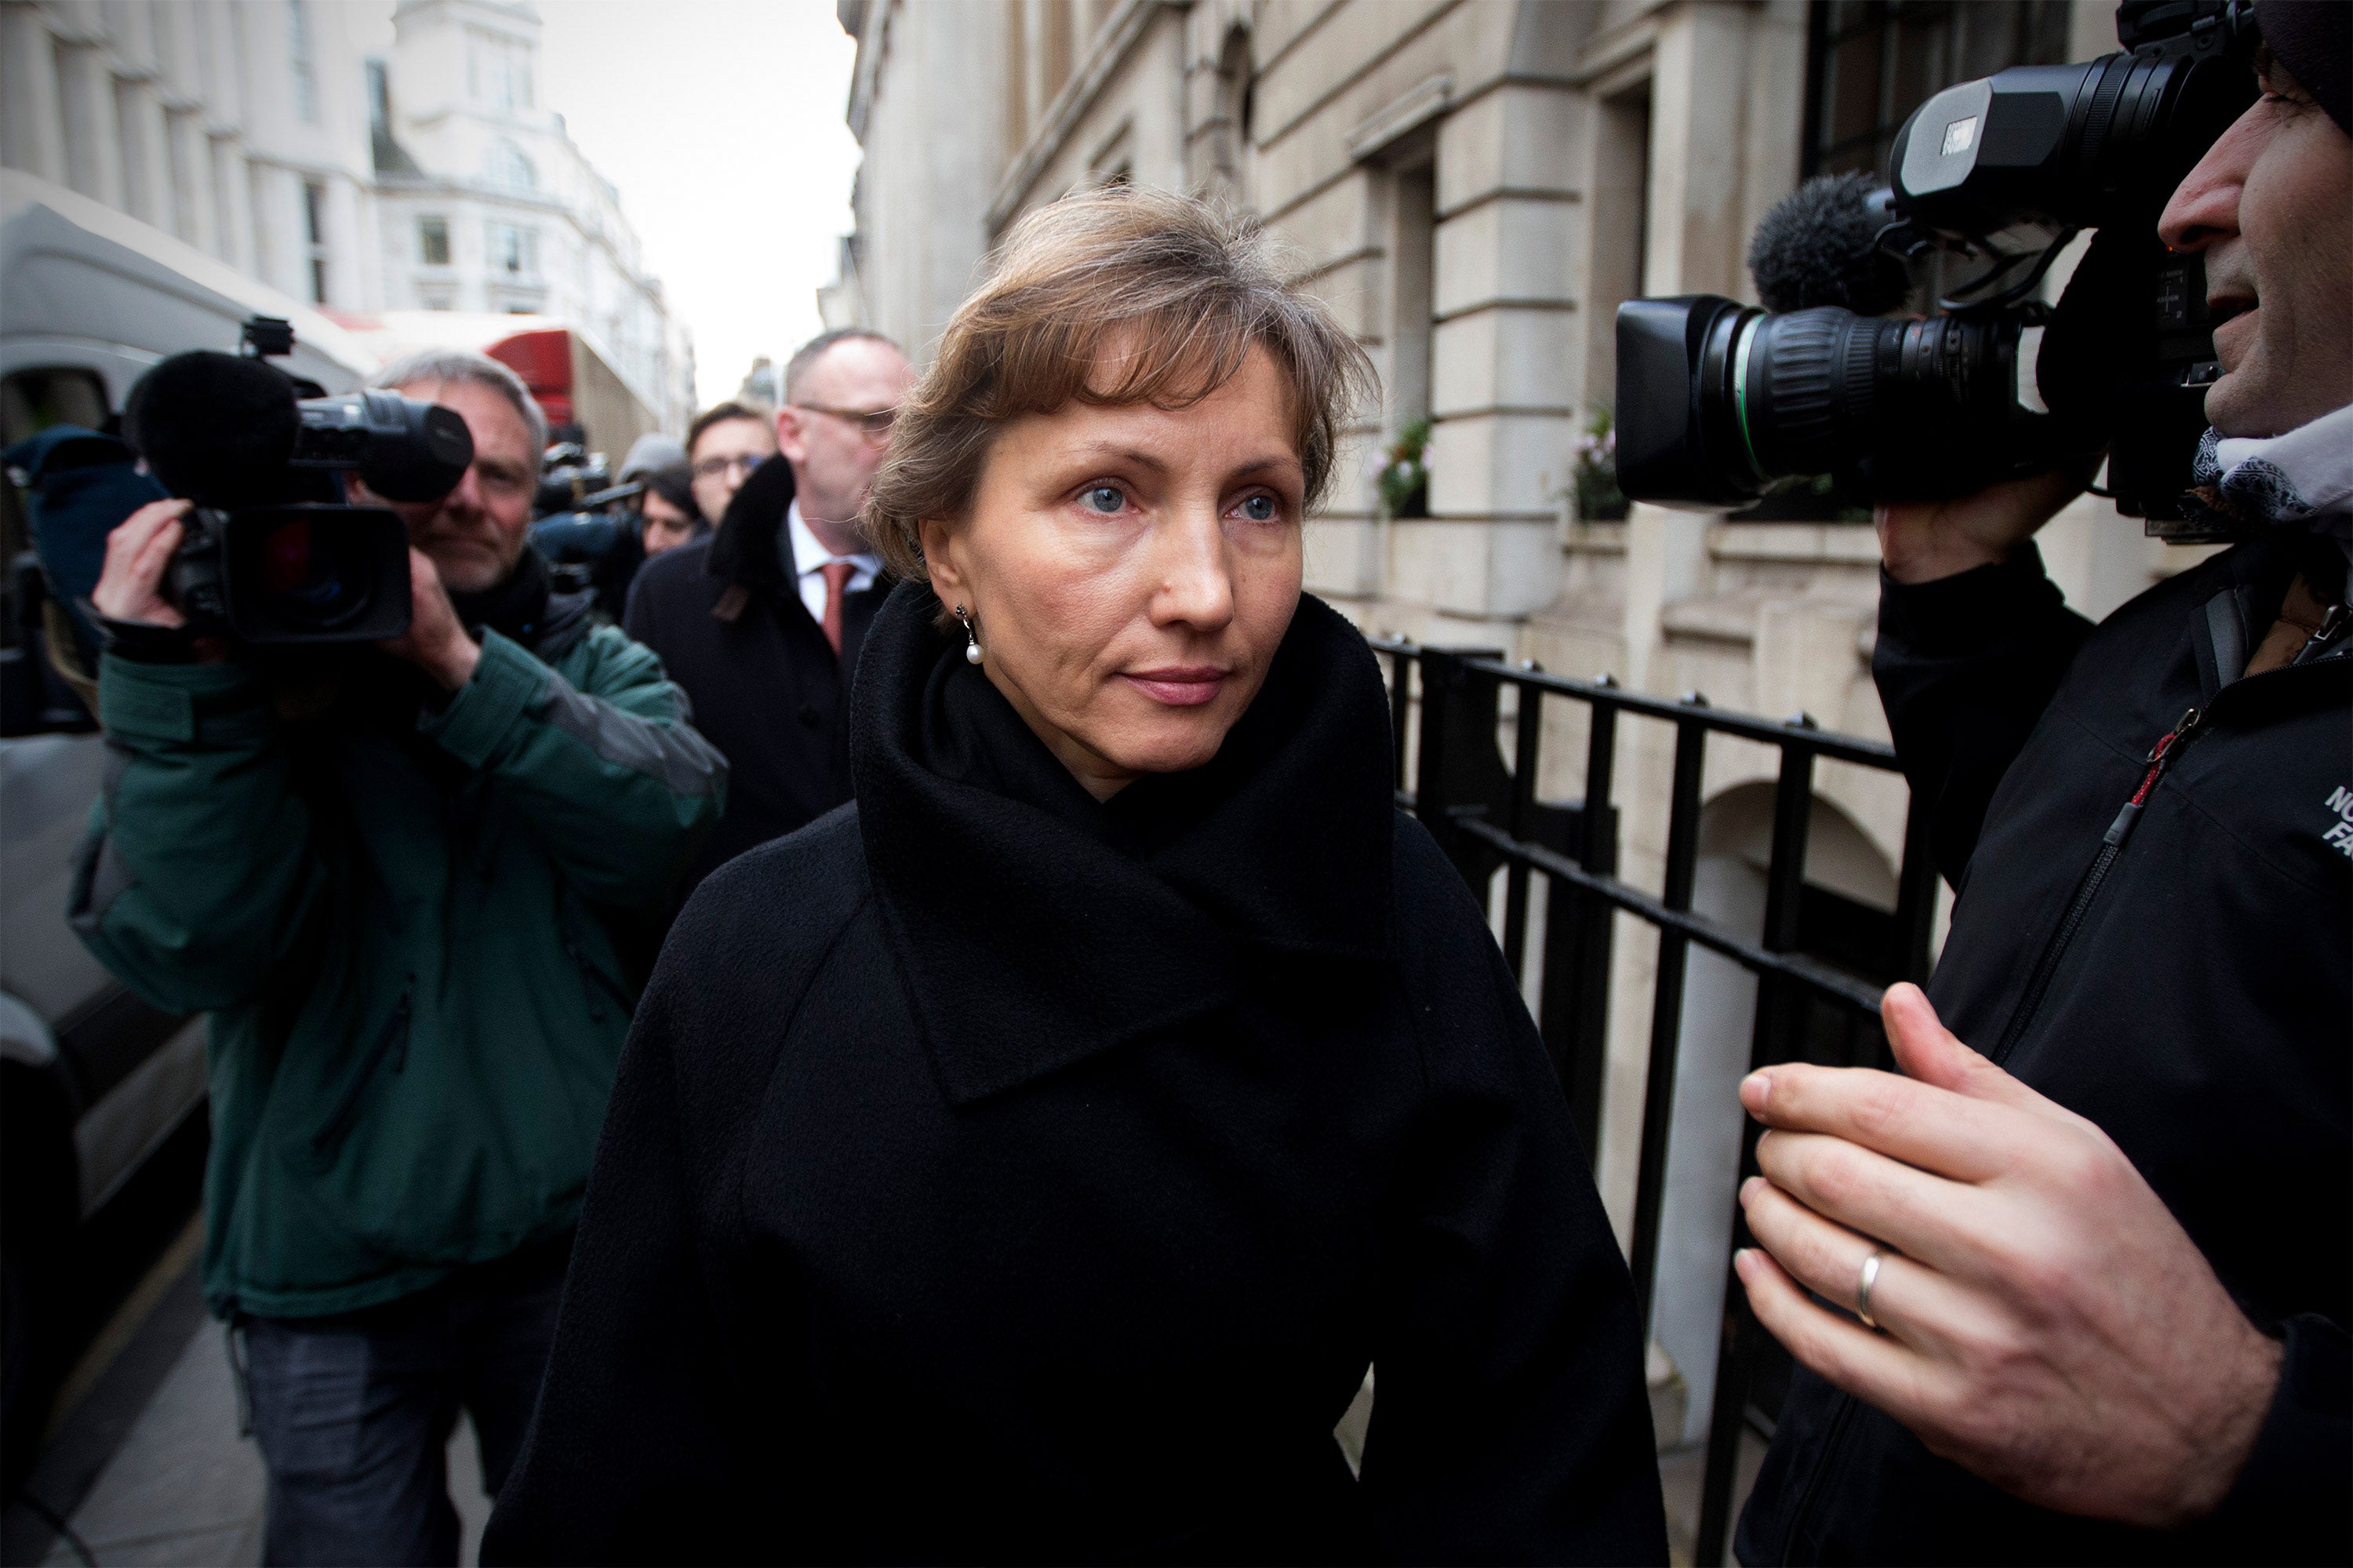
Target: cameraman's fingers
[(131, 536), (1908, 1299), (138, 553), (148, 566), (1878, 1369)]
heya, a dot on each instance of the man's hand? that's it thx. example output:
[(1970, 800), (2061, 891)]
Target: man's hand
[(2048, 1324), (138, 550), (435, 642), (1921, 541)]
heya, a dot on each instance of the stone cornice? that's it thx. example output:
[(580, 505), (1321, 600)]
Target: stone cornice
[(1402, 117), (874, 18), (1623, 44)]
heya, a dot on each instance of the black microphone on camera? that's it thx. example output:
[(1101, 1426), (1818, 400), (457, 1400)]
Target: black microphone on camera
[(219, 430), (1820, 246), (229, 429)]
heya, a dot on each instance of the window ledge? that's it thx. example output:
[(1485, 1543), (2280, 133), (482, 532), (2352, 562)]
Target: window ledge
[(1832, 543)]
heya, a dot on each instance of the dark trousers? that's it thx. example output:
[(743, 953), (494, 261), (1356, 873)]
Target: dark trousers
[(354, 1411)]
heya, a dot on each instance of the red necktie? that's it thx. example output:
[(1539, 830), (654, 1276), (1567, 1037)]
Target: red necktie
[(837, 581)]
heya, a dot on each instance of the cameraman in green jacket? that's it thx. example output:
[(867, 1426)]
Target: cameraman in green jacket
[(404, 887)]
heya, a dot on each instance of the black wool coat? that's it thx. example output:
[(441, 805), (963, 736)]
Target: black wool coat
[(726, 617), (997, 1176)]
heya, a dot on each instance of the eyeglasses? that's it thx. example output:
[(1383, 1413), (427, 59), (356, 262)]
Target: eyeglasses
[(874, 424), (713, 467)]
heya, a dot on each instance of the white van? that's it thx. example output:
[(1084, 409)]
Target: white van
[(92, 1080)]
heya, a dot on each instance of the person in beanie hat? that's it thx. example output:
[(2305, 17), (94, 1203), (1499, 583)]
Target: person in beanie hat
[(650, 452), (2074, 1287), (669, 510), (2313, 41)]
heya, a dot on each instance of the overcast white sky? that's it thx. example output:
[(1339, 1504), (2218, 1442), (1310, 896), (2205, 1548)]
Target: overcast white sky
[(720, 122)]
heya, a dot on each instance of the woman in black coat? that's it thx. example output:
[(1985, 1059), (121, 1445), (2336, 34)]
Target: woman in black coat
[(1027, 1162)]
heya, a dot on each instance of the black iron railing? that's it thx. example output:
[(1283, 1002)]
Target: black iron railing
[(1487, 815)]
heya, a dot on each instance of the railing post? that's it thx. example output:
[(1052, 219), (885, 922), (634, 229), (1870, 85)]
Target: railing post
[(1400, 711), (1458, 767), (1779, 1022), (1483, 815), (1915, 896), (1667, 1008), (1578, 933), (1527, 724)]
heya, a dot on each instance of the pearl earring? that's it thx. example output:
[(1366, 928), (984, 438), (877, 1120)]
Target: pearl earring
[(971, 642)]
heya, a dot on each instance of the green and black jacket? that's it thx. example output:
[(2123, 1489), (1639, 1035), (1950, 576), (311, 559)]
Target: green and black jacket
[(409, 925)]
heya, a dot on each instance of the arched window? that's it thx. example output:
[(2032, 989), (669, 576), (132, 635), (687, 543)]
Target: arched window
[(510, 168)]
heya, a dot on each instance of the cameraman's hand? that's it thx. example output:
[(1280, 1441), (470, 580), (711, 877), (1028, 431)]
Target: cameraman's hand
[(1921, 541), (435, 642), (2046, 1323), (131, 585)]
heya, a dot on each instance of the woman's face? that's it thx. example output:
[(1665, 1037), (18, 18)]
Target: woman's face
[(1131, 571)]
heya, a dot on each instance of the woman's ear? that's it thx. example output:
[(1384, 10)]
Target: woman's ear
[(939, 559)]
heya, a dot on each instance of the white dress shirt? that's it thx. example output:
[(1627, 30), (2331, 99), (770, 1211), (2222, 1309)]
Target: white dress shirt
[(809, 557)]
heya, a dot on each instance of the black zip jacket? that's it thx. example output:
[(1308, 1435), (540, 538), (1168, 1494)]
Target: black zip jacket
[(2154, 928), (995, 1176), (725, 614)]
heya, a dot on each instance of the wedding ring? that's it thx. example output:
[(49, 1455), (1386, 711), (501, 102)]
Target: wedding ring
[(1862, 1289)]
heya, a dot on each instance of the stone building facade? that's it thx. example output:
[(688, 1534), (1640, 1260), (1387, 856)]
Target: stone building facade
[(1474, 185), (363, 158), (486, 205)]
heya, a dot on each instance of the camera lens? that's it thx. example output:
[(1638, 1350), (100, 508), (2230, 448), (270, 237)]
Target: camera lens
[(312, 574), (1825, 391), (1718, 402)]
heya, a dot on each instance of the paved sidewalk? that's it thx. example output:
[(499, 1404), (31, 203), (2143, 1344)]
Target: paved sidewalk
[(184, 1491)]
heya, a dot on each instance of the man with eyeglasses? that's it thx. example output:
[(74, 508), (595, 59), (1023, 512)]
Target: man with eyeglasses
[(761, 622), (725, 444)]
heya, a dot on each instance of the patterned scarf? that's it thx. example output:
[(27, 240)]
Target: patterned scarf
[(2302, 479)]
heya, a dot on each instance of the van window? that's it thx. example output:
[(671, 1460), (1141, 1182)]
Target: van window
[(33, 401)]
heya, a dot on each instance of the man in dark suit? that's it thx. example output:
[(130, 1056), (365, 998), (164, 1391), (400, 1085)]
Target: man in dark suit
[(761, 623)]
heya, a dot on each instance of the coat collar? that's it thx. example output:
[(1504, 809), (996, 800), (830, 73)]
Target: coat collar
[(2247, 584), (743, 547), (747, 551), (1034, 929)]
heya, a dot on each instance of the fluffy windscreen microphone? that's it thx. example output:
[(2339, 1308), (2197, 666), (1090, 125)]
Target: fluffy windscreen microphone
[(217, 429), (1819, 246)]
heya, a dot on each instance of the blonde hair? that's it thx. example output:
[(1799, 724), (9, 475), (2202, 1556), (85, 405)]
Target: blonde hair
[(1164, 293)]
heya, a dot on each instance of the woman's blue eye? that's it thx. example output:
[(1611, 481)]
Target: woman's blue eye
[(1105, 498), (1260, 509)]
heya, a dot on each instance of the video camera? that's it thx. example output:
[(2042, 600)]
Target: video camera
[(271, 554), (1718, 402), (574, 479), (578, 524)]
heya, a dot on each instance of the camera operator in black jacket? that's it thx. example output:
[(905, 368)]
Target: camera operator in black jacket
[(2104, 1242)]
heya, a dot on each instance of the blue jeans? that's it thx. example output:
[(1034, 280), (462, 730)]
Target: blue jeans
[(354, 1411)]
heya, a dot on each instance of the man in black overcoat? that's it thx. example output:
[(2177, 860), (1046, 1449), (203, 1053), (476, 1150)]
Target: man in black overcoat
[(761, 623)]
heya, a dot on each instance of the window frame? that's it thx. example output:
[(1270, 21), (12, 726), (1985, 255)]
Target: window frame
[(302, 61), (519, 259), (314, 234), (2039, 36)]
